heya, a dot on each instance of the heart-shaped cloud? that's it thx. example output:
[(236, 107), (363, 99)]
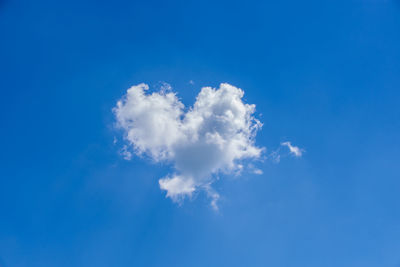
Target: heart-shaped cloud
[(213, 136)]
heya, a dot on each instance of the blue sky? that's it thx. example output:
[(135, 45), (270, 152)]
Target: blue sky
[(323, 74)]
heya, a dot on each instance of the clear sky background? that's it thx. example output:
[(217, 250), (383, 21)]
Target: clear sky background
[(323, 74)]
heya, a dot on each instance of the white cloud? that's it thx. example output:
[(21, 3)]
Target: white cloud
[(125, 153), (254, 170), (257, 171), (296, 151), (275, 156), (211, 137), (177, 187), (213, 195), (165, 87)]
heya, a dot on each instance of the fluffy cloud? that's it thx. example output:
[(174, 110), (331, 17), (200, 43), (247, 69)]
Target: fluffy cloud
[(211, 137)]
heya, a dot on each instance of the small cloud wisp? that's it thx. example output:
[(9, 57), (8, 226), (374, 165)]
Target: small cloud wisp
[(294, 150)]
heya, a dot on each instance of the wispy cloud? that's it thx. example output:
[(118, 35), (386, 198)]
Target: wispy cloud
[(294, 150), (211, 137), (254, 169), (258, 171), (125, 153)]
